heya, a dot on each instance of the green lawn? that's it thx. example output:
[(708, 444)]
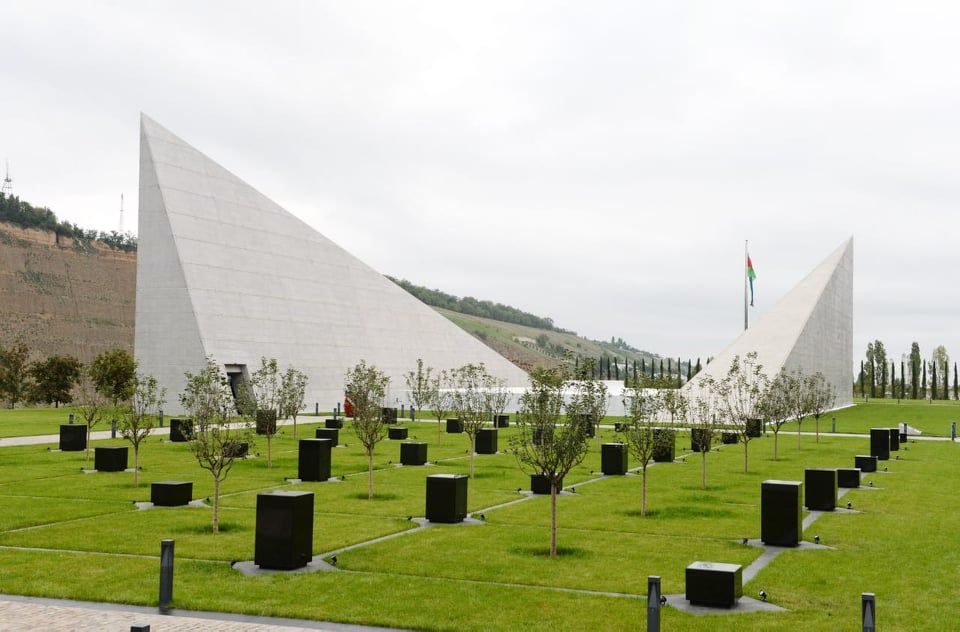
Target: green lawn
[(931, 417), (24, 422), (64, 533)]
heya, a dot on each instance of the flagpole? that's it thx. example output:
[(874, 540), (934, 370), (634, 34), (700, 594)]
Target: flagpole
[(746, 255)]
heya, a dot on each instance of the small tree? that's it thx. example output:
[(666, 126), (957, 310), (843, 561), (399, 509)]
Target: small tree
[(589, 395), (642, 406), (54, 379), (14, 373), (775, 405), (738, 396), (470, 400), (114, 373), (499, 397), (291, 395), (822, 397), (419, 387), (214, 441), (262, 401), (91, 404), (559, 447), (366, 387), (137, 422), (798, 398), (703, 421), (439, 400)]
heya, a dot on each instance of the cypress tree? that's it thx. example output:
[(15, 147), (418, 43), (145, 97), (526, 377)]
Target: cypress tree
[(923, 385), (634, 370), (933, 380), (699, 367), (669, 367), (661, 367), (903, 379), (946, 381), (873, 381), (689, 369), (643, 366), (608, 368), (893, 379), (861, 379), (883, 380), (956, 394), (616, 369), (651, 369)]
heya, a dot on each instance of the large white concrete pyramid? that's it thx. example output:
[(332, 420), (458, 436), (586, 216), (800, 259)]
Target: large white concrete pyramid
[(225, 272), (810, 328)]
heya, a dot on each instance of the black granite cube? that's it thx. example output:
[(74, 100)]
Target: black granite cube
[(111, 458), (328, 433), (388, 415), (865, 463), (314, 459), (754, 428), (699, 441), (171, 493), (729, 438), (397, 433), (73, 438), (487, 441), (613, 458), (236, 449), (820, 489), (454, 426), (903, 437), (714, 584), (540, 484), (413, 453), (894, 439), (447, 497), (880, 443), (502, 421), (333, 423), (619, 426), (266, 422), (284, 531), (664, 445), (181, 430), (781, 512), (848, 477)]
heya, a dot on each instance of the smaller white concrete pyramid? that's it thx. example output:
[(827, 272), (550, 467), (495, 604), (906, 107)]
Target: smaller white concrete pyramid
[(810, 328), (225, 272)]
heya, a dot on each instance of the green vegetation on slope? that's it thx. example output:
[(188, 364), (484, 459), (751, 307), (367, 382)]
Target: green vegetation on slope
[(21, 213)]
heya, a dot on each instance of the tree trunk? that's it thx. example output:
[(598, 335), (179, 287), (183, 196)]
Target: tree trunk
[(746, 455), (136, 465), (703, 469), (799, 426), (87, 457), (439, 431), (643, 494), (216, 504), (294, 426), (817, 418), (370, 475), (269, 451), (776, 436), (473, 452), (553, 518)]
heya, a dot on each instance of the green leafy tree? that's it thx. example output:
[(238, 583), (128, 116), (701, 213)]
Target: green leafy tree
[(562, 441), (54, 379), (822, 396), (470, 400), (14, 373), (590, 396), (703, 421), (291, 395), (419, 385), (915, 369), (214, 440), (738, 395), (776, 404), (366, 386), (642, 406), (439, 400), (261, 400), (114, 373), (139, 419), (91, 404)]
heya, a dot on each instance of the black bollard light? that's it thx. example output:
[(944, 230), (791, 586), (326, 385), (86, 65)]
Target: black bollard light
[(653, 603), (166, 575), (868, 612), (160, 415), (71, 419), (113, 429)]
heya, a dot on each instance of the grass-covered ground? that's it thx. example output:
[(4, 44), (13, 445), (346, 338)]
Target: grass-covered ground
[(64, 533), (931, 417)]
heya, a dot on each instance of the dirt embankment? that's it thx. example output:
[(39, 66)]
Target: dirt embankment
[(62, 296)]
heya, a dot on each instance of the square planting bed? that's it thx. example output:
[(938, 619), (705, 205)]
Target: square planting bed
[(865, 462), (181, 430), (820, 487), (848, 477), (171, 493), (613, 458), (73, 438), (284, 531), (447, 497), (333, 434), (397, 434), (540, 484), (880, 443), (714, 584), (487, 441), (110, 458), (314, 459), (413, 453), (781, 512), (502, 421)]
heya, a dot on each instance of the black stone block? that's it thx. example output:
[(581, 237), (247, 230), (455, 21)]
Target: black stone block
[(619, 427), (328, 433), (181, 430), (865, 463), (502, 421), (266, 422), (880, 443), (110, 458), (903, 437), (714, 584), (412, 453), (540, 484), (236, 449), (613, 458), (314, 459), (848, 477), (820, 489), (389, 415), (664, 445), (781, 512), (171, 493), (894, 439), (446, 497), (487, 441), (698, 440), (397, 433), (284, 531), (729, 438), (754, 427), (454, 426), (73, 438), (333, 423)]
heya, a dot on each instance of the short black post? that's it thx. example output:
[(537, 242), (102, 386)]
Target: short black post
[(403, 410), (316, 408), (140, 628), (868, 611), (653, 603), (113, 429), (71, 419), (166, 575), (160, 417), (834, 424), (336, 411), (953, 431), (413, 414)]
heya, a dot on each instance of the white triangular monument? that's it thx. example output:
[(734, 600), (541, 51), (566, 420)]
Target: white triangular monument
[(223, 271), (810, 328)]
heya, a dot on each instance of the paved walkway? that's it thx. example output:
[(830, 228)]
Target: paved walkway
[(29, 613)]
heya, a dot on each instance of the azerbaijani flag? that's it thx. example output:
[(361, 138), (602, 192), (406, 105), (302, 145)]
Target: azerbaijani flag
[(751, 275)]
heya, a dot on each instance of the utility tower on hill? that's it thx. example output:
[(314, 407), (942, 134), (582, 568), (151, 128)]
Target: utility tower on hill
[(7, 187)]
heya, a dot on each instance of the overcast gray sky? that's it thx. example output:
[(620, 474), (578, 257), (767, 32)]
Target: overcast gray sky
[(599, 163)]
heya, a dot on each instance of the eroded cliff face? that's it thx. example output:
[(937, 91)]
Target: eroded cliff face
[(62, 296)]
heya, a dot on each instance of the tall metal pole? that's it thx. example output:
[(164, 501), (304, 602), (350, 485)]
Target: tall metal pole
[(746, 255)]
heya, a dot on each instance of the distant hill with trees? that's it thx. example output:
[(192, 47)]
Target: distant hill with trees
[(15, 211)]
